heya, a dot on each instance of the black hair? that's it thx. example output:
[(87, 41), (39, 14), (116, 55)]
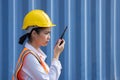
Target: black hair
[(23, 38)]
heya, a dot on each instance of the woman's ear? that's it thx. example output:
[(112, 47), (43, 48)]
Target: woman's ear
[(34, 33)]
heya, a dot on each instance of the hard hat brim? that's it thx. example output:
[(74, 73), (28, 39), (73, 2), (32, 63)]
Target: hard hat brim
[(25, 26)]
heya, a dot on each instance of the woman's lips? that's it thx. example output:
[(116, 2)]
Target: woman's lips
[(47, 41)]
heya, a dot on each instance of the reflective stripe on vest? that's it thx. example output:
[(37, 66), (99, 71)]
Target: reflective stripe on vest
[(21, 59)]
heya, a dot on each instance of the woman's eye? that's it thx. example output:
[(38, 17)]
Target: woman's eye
[(47, 33)]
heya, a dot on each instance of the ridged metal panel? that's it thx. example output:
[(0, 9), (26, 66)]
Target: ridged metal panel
[(92, 39)]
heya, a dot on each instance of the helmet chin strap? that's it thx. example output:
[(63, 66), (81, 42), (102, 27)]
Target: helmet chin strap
[(29, 29)]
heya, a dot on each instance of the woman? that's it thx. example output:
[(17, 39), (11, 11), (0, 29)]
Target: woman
[(31, 63)]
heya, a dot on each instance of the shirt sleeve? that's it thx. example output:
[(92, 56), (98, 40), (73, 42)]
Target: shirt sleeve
[(33, 68)]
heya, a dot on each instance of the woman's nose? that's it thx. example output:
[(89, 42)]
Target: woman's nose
[(48, 37)]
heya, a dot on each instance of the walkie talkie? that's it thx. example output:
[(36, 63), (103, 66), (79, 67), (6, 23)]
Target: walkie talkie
[(63, 34)]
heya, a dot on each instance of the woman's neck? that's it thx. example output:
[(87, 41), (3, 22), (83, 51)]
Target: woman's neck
[(34, 45)]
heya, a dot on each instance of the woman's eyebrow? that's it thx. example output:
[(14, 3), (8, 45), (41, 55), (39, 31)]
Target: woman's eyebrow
[(48, 31)]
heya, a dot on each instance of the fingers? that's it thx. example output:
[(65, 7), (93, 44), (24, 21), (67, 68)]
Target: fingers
[(59, 48), (61, 42), (58, 42)]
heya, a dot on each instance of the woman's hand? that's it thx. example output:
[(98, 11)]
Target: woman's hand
[(58, 48)]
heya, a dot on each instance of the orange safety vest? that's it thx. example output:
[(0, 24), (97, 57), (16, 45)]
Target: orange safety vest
[(16, 75)]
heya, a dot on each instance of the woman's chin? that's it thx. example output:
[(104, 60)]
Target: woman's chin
[(45, 44)]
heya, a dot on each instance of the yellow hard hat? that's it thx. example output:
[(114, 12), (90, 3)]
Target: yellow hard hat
[(38, 18)]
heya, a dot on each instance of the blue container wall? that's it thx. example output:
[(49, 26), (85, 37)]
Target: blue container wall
[(92, 39)]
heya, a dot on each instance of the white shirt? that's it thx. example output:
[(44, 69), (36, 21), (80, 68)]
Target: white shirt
[(34, 71)]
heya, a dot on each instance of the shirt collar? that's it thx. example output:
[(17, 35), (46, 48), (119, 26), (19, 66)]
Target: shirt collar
[(39, 52)]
